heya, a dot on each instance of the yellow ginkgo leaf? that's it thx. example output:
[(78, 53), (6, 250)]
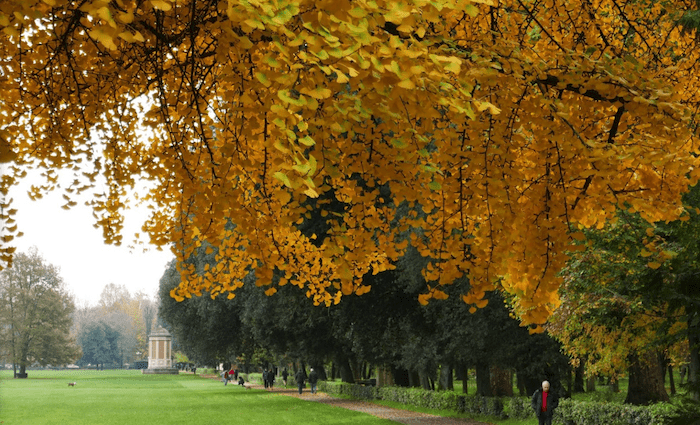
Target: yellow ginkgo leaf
[(163, 5)]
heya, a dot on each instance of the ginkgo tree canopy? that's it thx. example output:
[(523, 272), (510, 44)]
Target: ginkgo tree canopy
[(503, 127)]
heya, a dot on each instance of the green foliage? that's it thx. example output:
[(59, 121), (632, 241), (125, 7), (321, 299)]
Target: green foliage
[(254, 377), (35, 314), (99, 343), (443, 400), (606, 395), (207, 331), (355, 391), (572, 412), (690, 20), (518, 408), (686, 413), (479, 405)]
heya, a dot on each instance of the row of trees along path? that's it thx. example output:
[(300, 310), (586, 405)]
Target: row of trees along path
[(397, 415)]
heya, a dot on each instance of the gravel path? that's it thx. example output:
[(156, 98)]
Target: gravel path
[(397, 415)]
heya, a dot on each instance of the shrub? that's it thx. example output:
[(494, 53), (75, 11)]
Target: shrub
[(572, 412), (475, 405), (518, 408), (254, 377), (351, 390), (494, 407), (443, 400), (687, 412)]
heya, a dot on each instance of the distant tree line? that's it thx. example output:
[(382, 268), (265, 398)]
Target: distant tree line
[(115, 332)]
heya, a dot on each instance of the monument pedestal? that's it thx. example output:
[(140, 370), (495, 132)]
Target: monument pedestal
[(170, 371)]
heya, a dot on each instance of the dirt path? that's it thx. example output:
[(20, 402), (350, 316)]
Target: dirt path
[(397, 415)]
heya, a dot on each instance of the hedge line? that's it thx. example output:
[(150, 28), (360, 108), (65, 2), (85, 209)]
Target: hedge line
[(513, 407), (570, 412)]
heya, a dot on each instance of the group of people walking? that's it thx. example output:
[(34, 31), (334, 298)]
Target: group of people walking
[(268, 377), (230, 375), (300, 377)]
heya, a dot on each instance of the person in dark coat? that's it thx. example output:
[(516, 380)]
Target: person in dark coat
[(544, 402), (313, 380), (264, 377), (285, 374), (270, 378), (300, 377)]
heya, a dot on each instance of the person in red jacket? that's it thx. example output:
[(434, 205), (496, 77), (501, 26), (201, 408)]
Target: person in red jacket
[(544, 402)]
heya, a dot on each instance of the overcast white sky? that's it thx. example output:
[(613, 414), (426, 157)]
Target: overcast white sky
[(68, 240)]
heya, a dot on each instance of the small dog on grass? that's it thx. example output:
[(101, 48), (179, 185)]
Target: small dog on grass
[(71, 384)]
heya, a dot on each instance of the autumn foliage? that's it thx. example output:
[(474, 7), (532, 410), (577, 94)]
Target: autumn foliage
[(503, 127)]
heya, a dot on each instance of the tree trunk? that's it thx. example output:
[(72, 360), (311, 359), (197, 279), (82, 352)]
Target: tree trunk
[(321, 372), (446, 380), (384, 376), (522, 389), (424, 380), (590, 384), (645, 381), (693, 380), (483, 379), (413, 379), (463, 374), (663, 365), (401, 377), (345, 370), (580, 376), (501, 382), (357, 370), (671, 381)]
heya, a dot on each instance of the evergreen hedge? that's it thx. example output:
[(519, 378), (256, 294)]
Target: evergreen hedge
[(570, 412)]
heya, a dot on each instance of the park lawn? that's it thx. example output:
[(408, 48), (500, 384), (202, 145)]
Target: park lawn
[(128, 397)]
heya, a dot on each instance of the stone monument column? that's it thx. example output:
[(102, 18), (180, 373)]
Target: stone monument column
[(159, 353)]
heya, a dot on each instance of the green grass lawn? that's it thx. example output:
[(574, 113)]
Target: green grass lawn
[(128, 397)]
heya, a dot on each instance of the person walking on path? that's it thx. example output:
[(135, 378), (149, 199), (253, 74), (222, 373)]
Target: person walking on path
[(271, 378), (225, 377), (285, 374), (544, 402), (313, 380), (264, 377), (300, 377)]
